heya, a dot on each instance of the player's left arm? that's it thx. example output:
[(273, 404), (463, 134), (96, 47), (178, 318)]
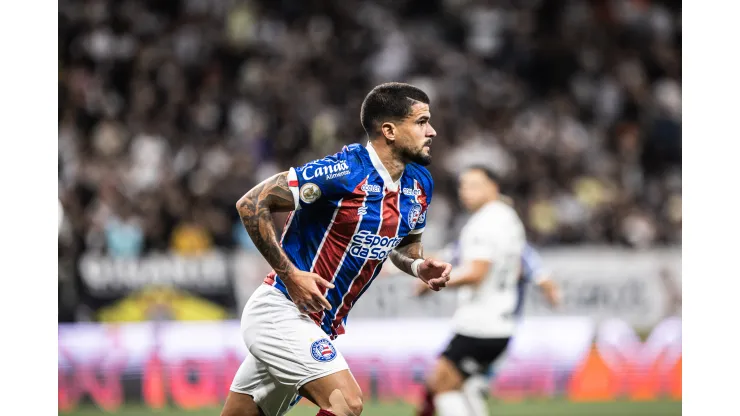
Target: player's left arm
[(534, 270), (409, 258), (550, 289)]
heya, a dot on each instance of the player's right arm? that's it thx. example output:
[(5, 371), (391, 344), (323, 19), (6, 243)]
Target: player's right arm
[(255, 209), (479, 246)]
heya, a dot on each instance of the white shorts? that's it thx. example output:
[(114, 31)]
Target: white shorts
[(286, 351)]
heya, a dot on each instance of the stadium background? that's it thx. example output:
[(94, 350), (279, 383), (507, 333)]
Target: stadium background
[(170, 110)]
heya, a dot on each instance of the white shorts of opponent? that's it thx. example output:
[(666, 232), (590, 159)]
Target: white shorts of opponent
[(286, 351)]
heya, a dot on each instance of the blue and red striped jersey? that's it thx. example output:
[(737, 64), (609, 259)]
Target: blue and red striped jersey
[(349, 215)]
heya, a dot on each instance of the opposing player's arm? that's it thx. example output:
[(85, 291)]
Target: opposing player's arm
[(256, 208), (550, 290), (473, 273), (534, 270), (409, 257)]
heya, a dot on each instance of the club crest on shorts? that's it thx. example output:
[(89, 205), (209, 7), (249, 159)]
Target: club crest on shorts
[(309, 193), (323, 351), (414, 215)]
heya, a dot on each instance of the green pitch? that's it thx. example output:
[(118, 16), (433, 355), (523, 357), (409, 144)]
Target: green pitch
[(531, 408)]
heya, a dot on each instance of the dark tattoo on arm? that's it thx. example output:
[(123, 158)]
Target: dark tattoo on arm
[(409, 250), (256, 208)]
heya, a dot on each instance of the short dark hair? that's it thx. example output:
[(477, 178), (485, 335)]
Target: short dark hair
[(389, 101), (490, 174)]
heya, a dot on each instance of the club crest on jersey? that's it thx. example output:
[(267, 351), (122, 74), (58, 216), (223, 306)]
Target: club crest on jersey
[(323, 351), (309, 193), (414, 215)]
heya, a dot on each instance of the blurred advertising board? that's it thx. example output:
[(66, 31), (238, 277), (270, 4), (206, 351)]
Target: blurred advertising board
[(600, 283), (158, 286), (191, 364), (636, 286)]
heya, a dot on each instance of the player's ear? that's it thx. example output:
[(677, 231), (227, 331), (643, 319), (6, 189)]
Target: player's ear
[(388, 130)]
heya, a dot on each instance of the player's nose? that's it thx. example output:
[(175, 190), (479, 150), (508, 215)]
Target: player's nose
[(430, 131)]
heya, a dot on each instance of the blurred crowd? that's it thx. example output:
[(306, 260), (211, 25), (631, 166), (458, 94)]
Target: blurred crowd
[(170, 110)]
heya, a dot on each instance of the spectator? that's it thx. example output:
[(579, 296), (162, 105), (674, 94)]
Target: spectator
[(170, 111)]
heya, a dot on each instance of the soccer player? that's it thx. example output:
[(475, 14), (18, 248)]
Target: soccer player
[(350, 212), (475, 387), (492, 249)]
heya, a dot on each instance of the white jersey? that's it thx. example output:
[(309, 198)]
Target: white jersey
[(496, 234)]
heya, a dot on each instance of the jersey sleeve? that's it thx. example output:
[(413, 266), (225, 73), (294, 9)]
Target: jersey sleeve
[(425, 186), (482, 243), (322, 179), (532, 267)]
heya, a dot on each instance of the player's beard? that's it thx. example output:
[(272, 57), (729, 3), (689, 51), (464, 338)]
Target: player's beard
[(417, 155)]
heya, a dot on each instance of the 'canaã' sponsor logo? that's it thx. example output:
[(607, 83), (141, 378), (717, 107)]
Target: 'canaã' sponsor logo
[(330, 171)]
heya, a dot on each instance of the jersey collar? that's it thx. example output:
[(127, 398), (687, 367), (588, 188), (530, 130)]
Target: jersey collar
[(382, 171)]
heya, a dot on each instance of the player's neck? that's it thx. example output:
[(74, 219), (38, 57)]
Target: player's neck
[(394, 166), (390, 161), (487, 202)]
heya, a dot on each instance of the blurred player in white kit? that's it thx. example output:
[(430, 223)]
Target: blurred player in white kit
[(492, 250)]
